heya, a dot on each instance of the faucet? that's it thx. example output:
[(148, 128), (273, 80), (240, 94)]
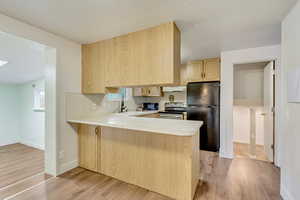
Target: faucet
[(123, 108)]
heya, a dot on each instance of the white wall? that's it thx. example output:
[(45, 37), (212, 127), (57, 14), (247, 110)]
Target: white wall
[(18, 122), (249, 83), (241, 125), (32, 123), (290, 168), (9, 109), (60, 136), (228, 60)]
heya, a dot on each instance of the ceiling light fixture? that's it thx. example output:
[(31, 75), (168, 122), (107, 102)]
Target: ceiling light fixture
[(2, 62)]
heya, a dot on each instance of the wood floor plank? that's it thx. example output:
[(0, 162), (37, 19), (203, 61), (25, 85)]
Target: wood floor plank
[(23, 185), (221, 179), (242, 150), (18, 162)]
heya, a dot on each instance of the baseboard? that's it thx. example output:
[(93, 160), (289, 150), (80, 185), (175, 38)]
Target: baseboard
[(223, 154), (9, 143), (37, 146), (68, 166), (285, 194)]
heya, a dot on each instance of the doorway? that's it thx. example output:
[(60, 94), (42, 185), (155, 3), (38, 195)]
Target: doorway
[(253, 111), (27, 74)]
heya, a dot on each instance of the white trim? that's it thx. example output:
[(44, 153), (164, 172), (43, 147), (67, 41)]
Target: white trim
[(228, 59), (68, 166), (285, 194), (37, 146)]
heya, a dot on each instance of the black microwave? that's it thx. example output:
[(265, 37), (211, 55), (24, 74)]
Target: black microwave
[(150, 106)]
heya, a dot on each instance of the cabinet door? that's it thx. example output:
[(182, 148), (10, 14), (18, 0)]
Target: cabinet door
[(147, 92), (88, 149), (140, 92), (147, 57), (195, 71), (95, 58), (154, 91), (212, 69)]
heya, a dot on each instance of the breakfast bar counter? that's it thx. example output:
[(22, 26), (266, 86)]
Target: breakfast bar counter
[(160, 155)]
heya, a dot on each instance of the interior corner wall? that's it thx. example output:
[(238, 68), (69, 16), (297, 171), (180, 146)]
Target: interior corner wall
[(290, 168), (32, 123), (228, 60), (65, 77), (9, 122)]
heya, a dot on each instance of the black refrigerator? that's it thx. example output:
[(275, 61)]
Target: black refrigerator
[(203, 104)]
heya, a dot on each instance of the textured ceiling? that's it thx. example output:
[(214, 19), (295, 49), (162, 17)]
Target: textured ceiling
[(207, 26), (25, 59)]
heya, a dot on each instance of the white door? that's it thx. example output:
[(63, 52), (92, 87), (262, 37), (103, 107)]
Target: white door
[(268, 110)]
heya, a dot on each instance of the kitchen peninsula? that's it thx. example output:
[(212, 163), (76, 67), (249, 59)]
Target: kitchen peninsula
[(161, 155)]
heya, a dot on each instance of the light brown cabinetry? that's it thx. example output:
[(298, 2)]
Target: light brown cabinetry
[(211, 69), (147, 92), (92, 73), (147, 57), (143, 58), (200, 71), (161, 163), (89, 147), (167, 164)]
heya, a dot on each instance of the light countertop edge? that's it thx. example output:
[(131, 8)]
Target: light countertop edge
[(153, 125)]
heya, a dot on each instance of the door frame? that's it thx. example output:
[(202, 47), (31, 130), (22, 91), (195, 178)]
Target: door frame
[(252, 55), (50, 150), (274, 113)]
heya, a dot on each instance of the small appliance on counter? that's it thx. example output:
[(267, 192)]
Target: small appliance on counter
[(203, 101), (150, 106), (174, 110)]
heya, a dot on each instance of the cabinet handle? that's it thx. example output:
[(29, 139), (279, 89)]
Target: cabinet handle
[(204, 75), (96, 130)]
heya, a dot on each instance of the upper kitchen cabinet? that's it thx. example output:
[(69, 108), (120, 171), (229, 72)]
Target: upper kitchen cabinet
[(95, 58), (92, 73), (200, 71), (194, 71), (212, 69), (145, 58), (147, 92)]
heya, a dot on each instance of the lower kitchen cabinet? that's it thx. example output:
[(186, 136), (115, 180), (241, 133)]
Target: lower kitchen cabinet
[(89, 147)]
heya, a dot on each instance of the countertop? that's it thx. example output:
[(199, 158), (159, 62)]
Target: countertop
[(154, 125)]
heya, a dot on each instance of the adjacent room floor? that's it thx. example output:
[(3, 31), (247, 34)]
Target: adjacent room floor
[(221, 179), (242, 150), (18, 162)]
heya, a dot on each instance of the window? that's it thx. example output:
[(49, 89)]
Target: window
[(123, 92), (39, 99)]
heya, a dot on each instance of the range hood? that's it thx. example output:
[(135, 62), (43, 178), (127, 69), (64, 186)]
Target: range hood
[(174, 89)]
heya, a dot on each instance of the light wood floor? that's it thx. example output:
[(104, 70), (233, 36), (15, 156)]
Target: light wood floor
[(221, 179), (241, 150), (17, 162)]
